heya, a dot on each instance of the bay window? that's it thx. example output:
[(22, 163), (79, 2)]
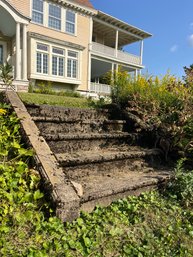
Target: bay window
[(56, 61)]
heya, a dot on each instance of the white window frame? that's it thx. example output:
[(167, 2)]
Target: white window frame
[(42, 53), (54, 17), (70, 22), (59, 57), (72, 59), (37, 11), (68, 62), (62, 19)]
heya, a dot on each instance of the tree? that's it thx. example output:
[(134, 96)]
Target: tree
[(188, 78)]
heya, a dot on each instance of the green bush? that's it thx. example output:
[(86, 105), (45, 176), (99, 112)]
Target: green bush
[(163, 104), (47, 88), (44, 88), (181, 188)]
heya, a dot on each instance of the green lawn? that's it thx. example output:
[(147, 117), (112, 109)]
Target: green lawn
[(54, 100)]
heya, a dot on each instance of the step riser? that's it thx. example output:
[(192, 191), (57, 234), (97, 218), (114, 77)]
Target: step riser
[(78, 127), (71, 146), (89, 206), (111, 167)]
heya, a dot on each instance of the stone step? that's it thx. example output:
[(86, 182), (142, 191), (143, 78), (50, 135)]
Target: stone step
[(102, 189), (49, 125), (84, 136), (69, 143), (83, 164), (63, 113)]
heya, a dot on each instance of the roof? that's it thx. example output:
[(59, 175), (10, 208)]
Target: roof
[(86, 3), (84, 6), (105, 24)]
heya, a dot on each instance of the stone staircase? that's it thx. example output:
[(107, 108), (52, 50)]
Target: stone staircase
[(98, 155)]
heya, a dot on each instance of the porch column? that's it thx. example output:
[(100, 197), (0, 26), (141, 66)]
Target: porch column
[(89, 55), (24, 59), (141, 51), (116, 43), (18, 57), (136, 73)]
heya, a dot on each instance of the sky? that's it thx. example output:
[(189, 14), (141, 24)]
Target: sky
[(171, 23)]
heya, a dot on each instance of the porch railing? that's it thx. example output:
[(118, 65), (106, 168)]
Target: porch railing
[(120, 56), (100, 88)]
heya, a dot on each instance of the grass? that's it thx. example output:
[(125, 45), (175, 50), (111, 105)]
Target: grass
[(66, 101)]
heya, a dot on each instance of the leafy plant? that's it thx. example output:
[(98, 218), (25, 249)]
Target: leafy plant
[(158, 107), (6, 74), (182, 186), (44, 88)]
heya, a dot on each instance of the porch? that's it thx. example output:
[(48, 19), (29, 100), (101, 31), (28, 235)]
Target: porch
[(108, 50), (117, 55), (99, 74), (13, 44)]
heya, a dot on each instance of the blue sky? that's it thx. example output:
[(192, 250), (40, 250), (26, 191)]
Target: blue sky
[(170, 22)]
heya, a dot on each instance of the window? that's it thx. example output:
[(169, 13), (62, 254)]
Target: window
[(57, 62), (72, 64), (54, 17), (37, 11), (42, 59), (1, 54), (70, 22)]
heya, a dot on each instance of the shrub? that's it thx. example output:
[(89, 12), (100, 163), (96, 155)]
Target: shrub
[(181, 187), (163, 104), (44, 88), (30, 88)]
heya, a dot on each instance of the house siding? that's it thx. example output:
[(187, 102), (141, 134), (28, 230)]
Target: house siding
[(22, 6), (82, 38)]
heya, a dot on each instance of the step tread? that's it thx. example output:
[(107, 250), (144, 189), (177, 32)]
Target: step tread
[(69, 136), (103, 185), (68, 120), (110, 154)]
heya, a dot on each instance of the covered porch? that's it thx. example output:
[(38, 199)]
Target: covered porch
[(109, 49), (99, 70), (13, 44)]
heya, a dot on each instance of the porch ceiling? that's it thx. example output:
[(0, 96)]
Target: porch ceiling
[(7, 23), (99, 68), (107, 25)]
